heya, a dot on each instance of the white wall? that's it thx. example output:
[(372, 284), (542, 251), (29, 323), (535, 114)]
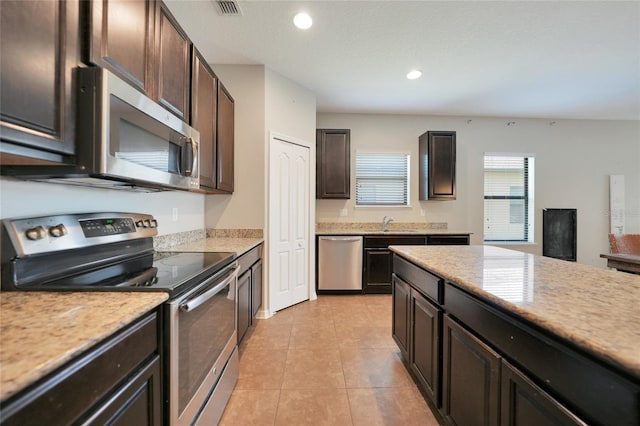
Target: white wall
[(291, 113), (290, 108), (574, 159), (245, 207), (19, 198)]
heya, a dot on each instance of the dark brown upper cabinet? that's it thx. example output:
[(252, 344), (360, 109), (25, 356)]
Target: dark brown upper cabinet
[(172, 59), (333, 164), (204, 115), (437, 166), (120, 38), (225, 142), (142, 43), (39, 50)]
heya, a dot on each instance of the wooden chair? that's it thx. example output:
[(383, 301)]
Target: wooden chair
[(625, 243)]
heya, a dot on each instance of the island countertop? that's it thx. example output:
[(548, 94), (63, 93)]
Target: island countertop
[(594, 308), (41, 331)]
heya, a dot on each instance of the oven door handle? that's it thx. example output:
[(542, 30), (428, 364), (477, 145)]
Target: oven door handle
[(197, 301)]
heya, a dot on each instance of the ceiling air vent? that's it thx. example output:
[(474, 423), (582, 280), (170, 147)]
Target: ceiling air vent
[(229, 7)]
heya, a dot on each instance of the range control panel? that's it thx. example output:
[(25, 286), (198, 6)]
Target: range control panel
[(108, 226), (46, 234)]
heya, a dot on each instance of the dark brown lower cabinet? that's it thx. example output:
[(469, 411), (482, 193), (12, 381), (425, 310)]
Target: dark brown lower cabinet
[(471, 378), (378, 266), (426, 320), (244, 303), (495, 368), (249, 290), (118, 382), (133, 404), (256, 288), (523, 403), (378, 260), (400, 314)]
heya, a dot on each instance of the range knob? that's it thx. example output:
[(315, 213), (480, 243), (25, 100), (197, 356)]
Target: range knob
[(36, 233), (154, 223), (58, 231)]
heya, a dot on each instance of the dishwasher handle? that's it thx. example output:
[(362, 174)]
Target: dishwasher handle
[(344, 239)]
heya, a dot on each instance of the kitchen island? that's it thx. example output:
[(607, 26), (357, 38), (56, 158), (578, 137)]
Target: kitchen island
[(564, 335)]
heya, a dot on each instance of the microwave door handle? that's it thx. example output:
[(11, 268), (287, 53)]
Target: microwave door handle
[(197, 301), (194, 155), (189, 164)]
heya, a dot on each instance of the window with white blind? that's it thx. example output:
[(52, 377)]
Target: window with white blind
[(382, 179), (508, 197)]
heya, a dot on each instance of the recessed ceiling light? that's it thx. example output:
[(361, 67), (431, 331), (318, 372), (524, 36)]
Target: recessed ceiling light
[(412, 75), (302, 21)]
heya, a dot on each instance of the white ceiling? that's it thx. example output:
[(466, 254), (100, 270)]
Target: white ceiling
[(558, 59)]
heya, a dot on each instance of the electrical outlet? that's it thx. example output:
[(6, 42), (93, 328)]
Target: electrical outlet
[(174, 214)]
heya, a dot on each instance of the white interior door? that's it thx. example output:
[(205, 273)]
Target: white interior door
[(288, 224)]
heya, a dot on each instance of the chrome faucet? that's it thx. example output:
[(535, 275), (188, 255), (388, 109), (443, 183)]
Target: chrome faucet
[(385, 222)]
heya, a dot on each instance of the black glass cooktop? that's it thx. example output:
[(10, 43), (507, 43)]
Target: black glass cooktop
[(173, 272)]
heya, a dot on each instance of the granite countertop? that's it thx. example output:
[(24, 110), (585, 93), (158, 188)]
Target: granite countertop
[(226, 244), (594, 308), (394, 228), (40, 331)]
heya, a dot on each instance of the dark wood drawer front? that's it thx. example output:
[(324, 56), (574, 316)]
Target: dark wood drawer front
[(447, 240), (66, 395), (384, 242), (428, 284), (249, 258), (591, 390)]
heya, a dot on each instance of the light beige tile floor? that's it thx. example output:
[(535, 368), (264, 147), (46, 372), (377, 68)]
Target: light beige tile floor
[(331, 361)]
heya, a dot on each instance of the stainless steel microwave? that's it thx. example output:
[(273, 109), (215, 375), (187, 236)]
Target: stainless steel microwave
[(124, 140)]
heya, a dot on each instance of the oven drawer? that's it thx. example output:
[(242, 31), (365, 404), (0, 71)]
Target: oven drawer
[(214, 407), (87, 383)]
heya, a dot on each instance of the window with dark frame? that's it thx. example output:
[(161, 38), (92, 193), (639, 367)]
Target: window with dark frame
[(508, 198)]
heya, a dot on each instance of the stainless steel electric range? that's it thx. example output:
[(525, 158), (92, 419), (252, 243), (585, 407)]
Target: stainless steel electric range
[(114, 252)]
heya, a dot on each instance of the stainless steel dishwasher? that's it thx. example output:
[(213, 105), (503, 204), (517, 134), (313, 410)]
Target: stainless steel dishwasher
[(340, 263)]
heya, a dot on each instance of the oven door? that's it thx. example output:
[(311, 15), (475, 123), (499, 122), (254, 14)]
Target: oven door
[(202, 337)]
